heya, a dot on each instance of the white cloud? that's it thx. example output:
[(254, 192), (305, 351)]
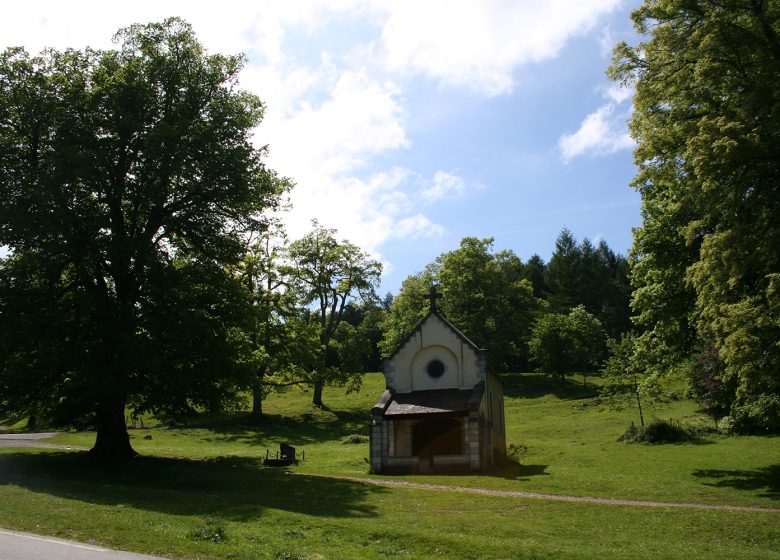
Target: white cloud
[(480, 44), (359, 118), (618, 94), (599, 134), (444, 185), (605, 130), (417, 226)]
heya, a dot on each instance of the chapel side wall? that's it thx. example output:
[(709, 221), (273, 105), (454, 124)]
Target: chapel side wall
[(405, 375)]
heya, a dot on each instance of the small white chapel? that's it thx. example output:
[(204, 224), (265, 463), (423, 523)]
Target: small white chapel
[(442, 410)]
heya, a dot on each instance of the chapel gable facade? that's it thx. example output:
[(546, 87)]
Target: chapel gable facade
[(442, 410)]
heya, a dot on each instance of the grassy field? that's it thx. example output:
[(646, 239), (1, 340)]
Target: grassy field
[(195, 482)]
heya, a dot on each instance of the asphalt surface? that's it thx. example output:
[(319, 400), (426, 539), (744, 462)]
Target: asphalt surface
[(30, 440), (24, 546)]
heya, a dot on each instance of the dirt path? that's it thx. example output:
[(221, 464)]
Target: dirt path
[(536, 496)]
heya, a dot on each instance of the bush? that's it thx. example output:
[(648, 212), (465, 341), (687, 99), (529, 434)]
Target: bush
[(516, 453), (658, 431), (356, 438), (758, 414)]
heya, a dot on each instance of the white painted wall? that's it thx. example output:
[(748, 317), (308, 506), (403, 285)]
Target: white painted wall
[(434, 339)]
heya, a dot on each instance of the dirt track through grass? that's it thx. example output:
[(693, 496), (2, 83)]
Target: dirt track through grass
[(537, 496)]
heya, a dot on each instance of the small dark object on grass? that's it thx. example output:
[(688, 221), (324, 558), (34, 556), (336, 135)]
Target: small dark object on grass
[(284, 457), (211, 530), (148, 436), (356, 438)]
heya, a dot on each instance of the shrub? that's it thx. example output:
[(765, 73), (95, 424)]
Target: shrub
[(658, 431), (516, 452), (759, 414), (356, 438)]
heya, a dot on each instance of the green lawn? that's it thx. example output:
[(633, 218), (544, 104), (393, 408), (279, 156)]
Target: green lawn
[(213, 469)]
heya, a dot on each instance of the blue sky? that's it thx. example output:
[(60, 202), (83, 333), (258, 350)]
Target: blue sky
[(408, 125)]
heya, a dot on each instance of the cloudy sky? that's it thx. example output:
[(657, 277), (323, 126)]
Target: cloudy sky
[(408, 125)]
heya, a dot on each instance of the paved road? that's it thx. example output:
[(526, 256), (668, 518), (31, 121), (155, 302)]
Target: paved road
[(24, 546), (31, 440)]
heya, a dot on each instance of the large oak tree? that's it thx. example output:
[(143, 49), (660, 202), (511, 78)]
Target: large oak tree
[(127, 178)]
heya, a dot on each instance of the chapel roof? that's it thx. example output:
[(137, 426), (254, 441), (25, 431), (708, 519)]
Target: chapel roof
[(435, 401)]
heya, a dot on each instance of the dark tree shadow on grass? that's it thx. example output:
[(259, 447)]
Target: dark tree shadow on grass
[(232, 488), (535, 385), (766, 479), (313, 426)]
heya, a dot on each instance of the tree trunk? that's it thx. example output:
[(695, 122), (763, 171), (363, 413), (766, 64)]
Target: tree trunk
[(317, 400), (639, 403), (112, 441), (257, 405)]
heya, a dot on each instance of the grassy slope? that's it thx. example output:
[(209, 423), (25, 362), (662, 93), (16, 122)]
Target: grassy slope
[(154, 504)]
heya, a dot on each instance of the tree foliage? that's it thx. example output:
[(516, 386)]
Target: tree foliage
[(484, 295), (591, 276), (566, 344), (329, 274), (284, 341), (706, 261), (625, 379), (128, 178)]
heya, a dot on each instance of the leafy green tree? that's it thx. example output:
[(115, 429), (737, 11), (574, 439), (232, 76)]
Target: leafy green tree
[(128, 177), (283, 341), (552, 345), (330, 274), (589, 340), (566, 344), (366, 319), (614, 309), (707, 257), (707, 384), (484, 295), (626, 380), (407, 308)]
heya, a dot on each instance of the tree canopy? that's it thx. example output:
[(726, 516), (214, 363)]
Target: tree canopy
[(484, 295), (706, 260), (329, 274), (565, 344), (128, 178)]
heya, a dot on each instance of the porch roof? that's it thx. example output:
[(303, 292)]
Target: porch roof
[(439, 401)]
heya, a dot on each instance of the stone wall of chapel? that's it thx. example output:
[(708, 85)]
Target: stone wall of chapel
[(434, 339)]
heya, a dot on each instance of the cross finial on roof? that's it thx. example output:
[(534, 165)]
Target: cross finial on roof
[(433, 295)]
